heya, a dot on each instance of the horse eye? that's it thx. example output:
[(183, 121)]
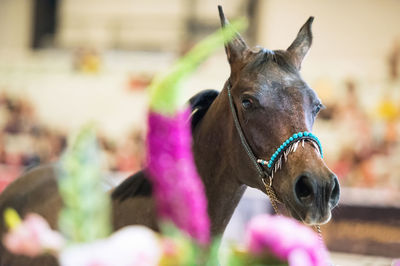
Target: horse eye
[(247, 103), (318, 108)]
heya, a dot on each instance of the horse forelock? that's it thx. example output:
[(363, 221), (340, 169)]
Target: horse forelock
[(261, 58)]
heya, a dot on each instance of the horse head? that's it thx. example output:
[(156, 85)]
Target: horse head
[(272, 102)]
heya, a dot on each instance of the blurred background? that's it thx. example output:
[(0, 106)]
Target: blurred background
[(64, 63)]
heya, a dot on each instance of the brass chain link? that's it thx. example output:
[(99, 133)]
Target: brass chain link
[(272, 197)]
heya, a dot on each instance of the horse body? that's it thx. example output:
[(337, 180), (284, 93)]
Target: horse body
[(132, 201), (36, 191)]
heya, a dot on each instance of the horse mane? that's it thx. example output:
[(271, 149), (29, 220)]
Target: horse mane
[(200, 104), (138, 184), (135, 185)]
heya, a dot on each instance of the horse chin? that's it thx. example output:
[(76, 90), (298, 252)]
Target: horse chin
[(317, 219), (309, 217)]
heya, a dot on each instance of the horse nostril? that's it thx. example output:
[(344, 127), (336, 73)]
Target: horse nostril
[(335, 192), (304, 190)]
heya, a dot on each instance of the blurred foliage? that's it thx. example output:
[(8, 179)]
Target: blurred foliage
[(86, 213), (165, 90), (238, 257), (187, 252)]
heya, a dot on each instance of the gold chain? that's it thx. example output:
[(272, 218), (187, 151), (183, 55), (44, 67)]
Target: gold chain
[(272, 196), (319, 232)]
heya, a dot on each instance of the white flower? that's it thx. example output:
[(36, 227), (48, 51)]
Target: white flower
[(130, 246)]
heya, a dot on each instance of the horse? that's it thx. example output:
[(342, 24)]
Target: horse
[(263, 103)]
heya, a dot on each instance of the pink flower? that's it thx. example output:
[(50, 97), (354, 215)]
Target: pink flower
[(33, 237), (178, 189), (287, 239), (130, 246)]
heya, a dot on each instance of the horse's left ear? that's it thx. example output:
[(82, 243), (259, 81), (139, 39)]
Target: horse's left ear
[(235, 48), (300, 46)]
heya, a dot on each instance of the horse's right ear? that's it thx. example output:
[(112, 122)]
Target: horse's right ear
[(236, 47)]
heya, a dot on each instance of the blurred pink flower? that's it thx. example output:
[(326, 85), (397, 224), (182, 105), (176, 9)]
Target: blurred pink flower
[(287, 239), (178, 189), (33, 237), (130, 246)]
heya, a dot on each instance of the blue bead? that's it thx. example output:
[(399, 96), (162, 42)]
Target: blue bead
[(284, 144), (287, 142), (291, 139), (300, 134), (279, 149), (305, 133), (295, 136)]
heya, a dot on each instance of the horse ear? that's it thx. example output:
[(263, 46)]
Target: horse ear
[(300, 46), (235, 48)]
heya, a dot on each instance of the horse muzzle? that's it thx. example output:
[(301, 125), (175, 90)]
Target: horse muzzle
[(315, 197)]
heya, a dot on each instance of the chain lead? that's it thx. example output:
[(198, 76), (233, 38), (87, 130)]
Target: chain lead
[(274, 200), (319, 232)]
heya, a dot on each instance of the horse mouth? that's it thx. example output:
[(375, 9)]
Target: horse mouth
[(310, 216)]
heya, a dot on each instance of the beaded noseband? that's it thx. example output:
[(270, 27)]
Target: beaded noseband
[(266, 169), (289, 145)]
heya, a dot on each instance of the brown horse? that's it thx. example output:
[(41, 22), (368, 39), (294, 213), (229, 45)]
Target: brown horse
[(270, 102)]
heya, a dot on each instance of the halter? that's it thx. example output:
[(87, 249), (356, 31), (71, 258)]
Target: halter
[(289, 145), (276, 160)]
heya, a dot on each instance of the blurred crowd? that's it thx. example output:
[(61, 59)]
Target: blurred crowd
[(26, 142), (368, 144), (367, 138)]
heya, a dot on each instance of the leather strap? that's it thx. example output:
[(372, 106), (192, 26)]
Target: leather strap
[(261, 172)]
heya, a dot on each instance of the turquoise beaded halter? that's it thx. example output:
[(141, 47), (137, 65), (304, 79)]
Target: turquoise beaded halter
[(291, 145)]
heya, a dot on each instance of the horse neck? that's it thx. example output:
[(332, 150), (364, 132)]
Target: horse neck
[(215, 143)]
